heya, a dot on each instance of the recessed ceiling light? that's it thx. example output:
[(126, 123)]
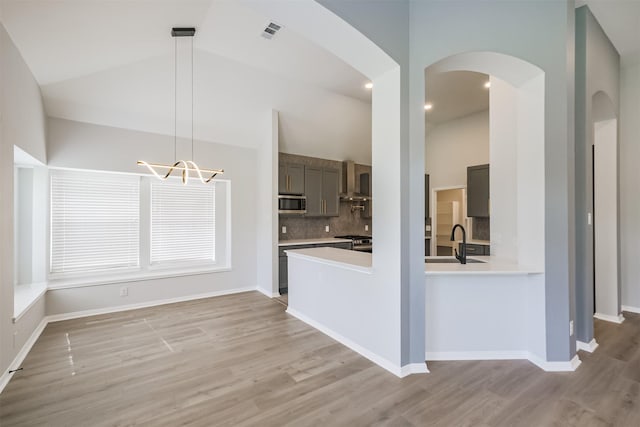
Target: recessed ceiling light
[(487, 85), (428, 106), (368, 85)]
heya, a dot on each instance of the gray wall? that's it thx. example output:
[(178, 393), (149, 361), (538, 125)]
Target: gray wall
[(597, 70), (541, 33), (23, 124)]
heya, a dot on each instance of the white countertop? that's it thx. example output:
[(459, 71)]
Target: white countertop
[(492, 265), (316, 241), (352, 260), (361, 261)]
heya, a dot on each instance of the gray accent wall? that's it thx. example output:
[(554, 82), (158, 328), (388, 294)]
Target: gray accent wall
[(597, 70)]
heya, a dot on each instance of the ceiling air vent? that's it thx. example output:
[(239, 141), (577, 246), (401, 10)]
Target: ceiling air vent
[(271, 30)]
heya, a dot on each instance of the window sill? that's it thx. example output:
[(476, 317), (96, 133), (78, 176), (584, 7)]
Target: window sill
[(25, 296), (132, 277)]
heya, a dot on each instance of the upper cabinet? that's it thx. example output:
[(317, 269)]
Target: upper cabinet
[(478, 198), (291, 178), (322, 187)]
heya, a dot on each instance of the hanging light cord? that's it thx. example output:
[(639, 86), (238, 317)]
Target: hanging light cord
[(175, 100), (192, 99), (183, 166)]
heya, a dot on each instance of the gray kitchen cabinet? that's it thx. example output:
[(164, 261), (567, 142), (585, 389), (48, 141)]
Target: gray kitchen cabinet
[(283, 264), (283, 274), (478, 191), (313, 190), (427, 212), (322, 186), (476, 249), (290, 178), (331, 191)]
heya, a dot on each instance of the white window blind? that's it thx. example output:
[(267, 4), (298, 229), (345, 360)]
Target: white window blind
[(95, 221), (183, 222)]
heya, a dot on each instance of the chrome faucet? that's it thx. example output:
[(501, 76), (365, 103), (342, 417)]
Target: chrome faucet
[(463, 249)]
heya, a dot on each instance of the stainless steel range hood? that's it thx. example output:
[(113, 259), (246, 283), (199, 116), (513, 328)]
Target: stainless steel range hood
[(353, 194)]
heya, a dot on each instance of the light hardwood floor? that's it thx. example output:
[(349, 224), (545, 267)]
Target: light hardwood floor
[(241, 360)]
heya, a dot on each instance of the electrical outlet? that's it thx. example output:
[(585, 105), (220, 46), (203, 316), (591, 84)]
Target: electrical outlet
[(284, 229), (366, 227), (124, 291), (571, 328), (15, 335), (427, 228), (589, 218), (326, 228)]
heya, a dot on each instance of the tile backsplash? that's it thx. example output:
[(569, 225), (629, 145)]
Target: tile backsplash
[(481, 230), (348, 222)]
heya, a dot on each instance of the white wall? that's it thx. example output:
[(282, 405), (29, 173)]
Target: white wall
[(86, 146), (230, 98), (605, 182), (23, 124), (453, 145), (629, 200)]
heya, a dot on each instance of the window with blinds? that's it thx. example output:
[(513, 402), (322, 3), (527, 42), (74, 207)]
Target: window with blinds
[(95, 221), (183, 222)]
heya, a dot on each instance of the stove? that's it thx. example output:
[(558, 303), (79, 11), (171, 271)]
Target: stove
[(359, 243)]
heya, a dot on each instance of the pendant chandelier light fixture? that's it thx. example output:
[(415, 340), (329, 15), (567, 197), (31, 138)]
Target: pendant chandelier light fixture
[(185, 167)]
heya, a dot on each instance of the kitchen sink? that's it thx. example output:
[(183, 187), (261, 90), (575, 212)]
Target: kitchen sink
[(447, 260)]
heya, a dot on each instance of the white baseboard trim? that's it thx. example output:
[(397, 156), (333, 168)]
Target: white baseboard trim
[(608, 318), (475, 355), (378, 360), (116, 309), (414, 368), (267, 293), (631, 309), (589, 347), (505, 355), (548, 366), (17, 361)]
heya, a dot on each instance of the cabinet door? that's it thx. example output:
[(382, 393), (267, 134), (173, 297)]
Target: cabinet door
[(313, 190), (427, 193), (331, 191), (296, 178), (283, 275), (282, 179), (478, 191)]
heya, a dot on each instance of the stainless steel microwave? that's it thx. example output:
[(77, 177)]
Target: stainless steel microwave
[(292, 205)]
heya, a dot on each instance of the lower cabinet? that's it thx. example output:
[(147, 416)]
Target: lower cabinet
[(475, 249), (283, 268)]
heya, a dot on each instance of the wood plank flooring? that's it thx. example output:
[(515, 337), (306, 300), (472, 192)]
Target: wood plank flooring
[(240, 360)]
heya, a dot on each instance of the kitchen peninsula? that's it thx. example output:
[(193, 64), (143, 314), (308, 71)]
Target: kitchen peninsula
[(492, 309)]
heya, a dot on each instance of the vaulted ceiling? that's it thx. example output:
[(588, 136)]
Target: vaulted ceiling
[(112, 63)]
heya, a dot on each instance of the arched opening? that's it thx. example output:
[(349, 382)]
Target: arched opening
[(514, 208), (605, 237), (516, 152)]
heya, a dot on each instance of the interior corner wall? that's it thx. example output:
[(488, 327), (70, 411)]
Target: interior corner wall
[(22, 120), (266, 208), (629, 139), (93, 147), (597, 70), (509, 28)]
